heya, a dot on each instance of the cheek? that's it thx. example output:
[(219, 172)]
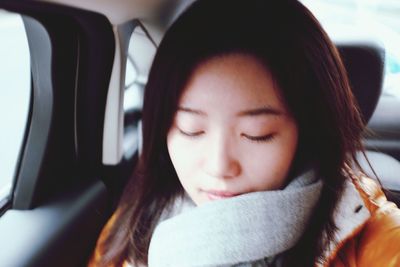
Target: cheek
[(268, 167), (183, 158)]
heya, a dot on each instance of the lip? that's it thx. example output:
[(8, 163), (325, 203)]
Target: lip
[(218, 194)]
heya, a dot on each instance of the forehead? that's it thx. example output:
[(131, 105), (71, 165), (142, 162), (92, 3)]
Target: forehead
[(235, 81)]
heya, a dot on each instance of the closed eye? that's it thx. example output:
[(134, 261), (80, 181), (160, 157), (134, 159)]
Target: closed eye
[(263, 138), (190, 134)]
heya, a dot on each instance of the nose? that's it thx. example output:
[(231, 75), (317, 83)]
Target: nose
[(220, 159)]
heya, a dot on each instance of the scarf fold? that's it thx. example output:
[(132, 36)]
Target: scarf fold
[(236, 230)]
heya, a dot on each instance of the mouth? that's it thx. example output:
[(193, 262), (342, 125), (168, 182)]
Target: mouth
[(216, 194)]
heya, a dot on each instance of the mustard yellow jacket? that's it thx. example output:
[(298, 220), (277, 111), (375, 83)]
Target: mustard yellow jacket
[(368, 229)]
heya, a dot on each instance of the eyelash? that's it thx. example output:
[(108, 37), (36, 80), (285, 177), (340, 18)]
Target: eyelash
[(192, 135), (260, 139), (257, 139)]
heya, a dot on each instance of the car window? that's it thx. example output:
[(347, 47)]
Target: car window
[(141, 52), (376, 19), (15, 89)]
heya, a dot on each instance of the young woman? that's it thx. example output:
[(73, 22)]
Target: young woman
[(249, 132)]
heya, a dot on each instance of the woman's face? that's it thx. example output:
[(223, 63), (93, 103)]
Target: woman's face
[(231, 134)]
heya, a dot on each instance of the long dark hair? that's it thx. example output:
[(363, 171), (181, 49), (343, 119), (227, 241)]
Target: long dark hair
[(284, 36)]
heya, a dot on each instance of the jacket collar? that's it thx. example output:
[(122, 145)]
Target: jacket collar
[(351, 214)]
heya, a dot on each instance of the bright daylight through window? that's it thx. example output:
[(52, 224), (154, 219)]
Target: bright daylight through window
[(378, 20), (140, 55), (15, 84)]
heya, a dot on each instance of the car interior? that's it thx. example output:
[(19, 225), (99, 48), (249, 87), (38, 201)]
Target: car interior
[(364, 62), (89, 62)]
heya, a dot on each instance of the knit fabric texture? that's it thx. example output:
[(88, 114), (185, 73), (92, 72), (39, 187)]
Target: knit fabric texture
[(245, 231)]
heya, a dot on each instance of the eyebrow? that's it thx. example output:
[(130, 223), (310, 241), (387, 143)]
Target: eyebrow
[(192, 111), (260, 111), (245, 113)]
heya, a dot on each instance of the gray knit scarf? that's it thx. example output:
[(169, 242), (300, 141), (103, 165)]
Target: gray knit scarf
[(247, 230)]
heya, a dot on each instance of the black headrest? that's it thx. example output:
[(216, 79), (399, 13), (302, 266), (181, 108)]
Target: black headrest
[(364, 63)]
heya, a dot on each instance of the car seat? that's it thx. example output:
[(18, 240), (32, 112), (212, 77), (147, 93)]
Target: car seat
[(364, 63)]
